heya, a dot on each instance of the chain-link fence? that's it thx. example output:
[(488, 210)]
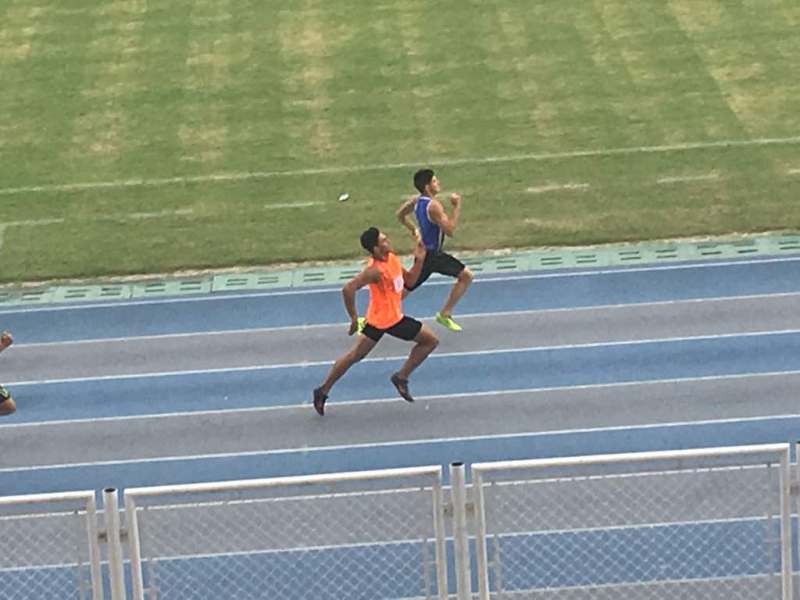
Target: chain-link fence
[(704, 525), (709, 524), (49, 547), (362, 535)]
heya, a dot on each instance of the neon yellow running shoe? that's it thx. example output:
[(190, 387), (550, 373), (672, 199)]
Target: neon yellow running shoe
[(361, 323), (447, 322)]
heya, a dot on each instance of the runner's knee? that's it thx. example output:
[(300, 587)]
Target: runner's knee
[(428, 339), (465, 276)]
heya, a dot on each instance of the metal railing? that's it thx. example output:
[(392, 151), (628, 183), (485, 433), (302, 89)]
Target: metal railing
[(712, 523), (709, 523), (49, 547), (374, 534)]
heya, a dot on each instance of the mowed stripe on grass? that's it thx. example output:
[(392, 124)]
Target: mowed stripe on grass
[(193, 90)]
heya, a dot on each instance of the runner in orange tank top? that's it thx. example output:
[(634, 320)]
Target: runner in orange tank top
[(384, 300), (386, 279)]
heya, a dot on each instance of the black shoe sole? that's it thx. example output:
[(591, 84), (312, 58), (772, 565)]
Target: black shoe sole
[(401, 385), (319, 402)]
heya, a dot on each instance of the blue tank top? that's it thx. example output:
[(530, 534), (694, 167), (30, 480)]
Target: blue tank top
[(432, 235)]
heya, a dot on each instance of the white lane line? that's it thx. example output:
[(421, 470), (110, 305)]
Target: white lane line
[(453, 396), (299, 550), (423, 441), (244, 176), (292, 205), (33, 569), (555, 187), (168, 336), (441, 282), (794, 171), (597, 588), (464, 316), (688, 178), (250, 553), (648, 527), (622, 589), (434, 356)]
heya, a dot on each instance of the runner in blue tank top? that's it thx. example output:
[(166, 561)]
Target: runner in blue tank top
[(434, 225)]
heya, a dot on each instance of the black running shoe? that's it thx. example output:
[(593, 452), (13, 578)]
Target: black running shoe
[(319, 401), (402, 387)]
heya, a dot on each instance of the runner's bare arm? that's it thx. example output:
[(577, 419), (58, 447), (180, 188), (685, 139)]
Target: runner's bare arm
[(402, 213), (410, 277), (438, 215), (367, 276)]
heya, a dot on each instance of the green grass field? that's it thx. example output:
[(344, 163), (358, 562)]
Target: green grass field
[(194, 124)]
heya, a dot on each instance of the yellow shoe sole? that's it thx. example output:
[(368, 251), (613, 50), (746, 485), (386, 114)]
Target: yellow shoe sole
[(447, 322)]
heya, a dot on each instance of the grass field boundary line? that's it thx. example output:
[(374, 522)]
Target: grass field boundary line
[(291, 205), (181, 212), (688, 178), (399, 443), (557, 187), (28, 223), (31, 222), (440, 162)]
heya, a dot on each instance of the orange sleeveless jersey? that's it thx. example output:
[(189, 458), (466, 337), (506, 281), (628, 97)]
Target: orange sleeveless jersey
[(385, 296)]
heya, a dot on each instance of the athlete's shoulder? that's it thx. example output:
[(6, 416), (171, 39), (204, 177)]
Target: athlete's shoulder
[(434, 206), (393, 259), (430, 202), (372, 272)]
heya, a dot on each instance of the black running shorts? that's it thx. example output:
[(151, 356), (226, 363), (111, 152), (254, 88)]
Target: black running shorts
[(405, 329), (438, 262)]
